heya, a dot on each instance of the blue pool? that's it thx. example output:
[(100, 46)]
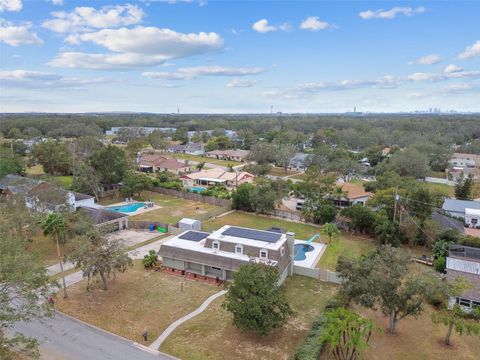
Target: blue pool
[(128, 208), (197, 189), (300, 250)]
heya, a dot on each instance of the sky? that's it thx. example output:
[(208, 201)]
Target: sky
[(203, 56)]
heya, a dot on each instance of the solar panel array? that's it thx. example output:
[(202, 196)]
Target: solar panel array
[(194, 235), (266, 236)]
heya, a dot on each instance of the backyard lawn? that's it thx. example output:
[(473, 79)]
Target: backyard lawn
[(211, 334), (173, 208), (35, 170), (64, 181), (45, 247), (135, 301), (277, 171), (203, 158), (348, 245), (445, 189), (302, 231)]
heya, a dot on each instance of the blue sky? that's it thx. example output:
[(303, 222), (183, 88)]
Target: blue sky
[(239, 56)]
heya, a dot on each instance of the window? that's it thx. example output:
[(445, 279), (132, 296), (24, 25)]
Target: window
[(464, 302), (216, 268), (282, 251), (239, 249), (216, 245), (264, 254)]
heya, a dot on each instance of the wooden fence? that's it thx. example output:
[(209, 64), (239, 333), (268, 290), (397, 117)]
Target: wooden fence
[(137, 224), (284, 214), (194, 196)]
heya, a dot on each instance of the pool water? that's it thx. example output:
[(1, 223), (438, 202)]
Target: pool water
[(128, 208), (300, 250), (197, 189)]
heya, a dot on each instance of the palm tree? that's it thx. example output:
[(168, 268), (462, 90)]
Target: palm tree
[(54, 225), (330, 230)]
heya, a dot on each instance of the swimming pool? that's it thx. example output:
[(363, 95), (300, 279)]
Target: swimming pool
[(197, 189), (300, 250), (128, 208)]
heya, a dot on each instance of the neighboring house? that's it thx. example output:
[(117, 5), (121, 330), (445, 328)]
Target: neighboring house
[(299, 162), (464, 163), (111, 220), (189, 148), (140, 129), (232, 155), (354, 194), (464, 261), (458, 208), (42, 196), (211, 177), (156, 163), (386, 152), (32, 142), (220, 254)]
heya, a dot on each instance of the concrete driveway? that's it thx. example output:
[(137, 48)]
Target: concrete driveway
[(134, 237)]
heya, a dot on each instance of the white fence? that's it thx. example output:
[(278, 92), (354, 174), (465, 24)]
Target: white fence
[(318, 273)]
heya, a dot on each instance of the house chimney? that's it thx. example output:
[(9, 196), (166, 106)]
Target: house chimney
[(291, 248)]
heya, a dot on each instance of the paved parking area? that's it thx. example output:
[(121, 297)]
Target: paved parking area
[(134, 237)]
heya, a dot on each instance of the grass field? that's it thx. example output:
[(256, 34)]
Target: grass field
[(135, 301), (64, 181), (276, 171), (45, 247), (348, 245), (447, 190), (211, 335), (302, 231), (173, 208), (35, 170), (418, 339), (203, 158)]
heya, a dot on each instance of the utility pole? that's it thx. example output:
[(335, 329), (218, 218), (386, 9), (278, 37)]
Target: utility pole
[(396, 203)]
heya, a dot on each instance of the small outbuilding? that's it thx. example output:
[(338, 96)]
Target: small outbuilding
[(189, 224)]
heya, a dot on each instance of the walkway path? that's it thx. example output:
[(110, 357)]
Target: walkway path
[(156, 344)]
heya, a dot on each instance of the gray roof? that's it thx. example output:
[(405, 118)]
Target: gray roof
[(101, 216), (474, 280), (460, 205), (18, 184)]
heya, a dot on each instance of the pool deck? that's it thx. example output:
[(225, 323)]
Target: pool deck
[(312, 257), (136, 212)]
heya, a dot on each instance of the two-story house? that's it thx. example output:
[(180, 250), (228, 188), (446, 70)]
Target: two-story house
[(219, 254), (466, 164)]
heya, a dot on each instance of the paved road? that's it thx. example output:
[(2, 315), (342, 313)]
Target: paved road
[(63, 338)]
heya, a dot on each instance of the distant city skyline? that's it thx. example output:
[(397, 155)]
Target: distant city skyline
[(159, 56)]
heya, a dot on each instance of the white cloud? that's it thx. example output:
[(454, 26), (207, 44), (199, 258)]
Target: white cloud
[(57, 2), (452, 68), (313, 23), (239, 83), (458, 88), (16, 35), (262, 26), (37, 79), (88, 18), (140, 46), (470, 51), (428, 60), (432, 77), (10, 5), (392, 13), (195, 72)]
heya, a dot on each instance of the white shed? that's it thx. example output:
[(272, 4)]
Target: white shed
[(189, 224)]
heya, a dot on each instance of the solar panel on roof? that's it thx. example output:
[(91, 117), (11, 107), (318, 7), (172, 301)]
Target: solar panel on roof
[(194, 235), (266, 236)]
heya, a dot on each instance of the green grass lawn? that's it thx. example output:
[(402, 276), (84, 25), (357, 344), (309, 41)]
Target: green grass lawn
[(64, 181), (203, 158), (346, 244), (173, 208), (447, 190), (276, 171), (302, 231), (136, 300), (35, 170), (45, 247), (211, 335)]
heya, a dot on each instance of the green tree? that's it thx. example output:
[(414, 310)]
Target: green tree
[(54, 225), (10, 165), (255, 299), (219, 143), (53, 156), (262, 153), (463, 187), (97, 255), (14, 133), (410, 162), (180, 134), (134, 146), (285, 153), (157, 140), (454, 317), (383, 280), (346, 334), (330, 230), (324, 213), (242, 197), (110, 164), (362, 218), (86, 179), (134, 183), (84, 146)]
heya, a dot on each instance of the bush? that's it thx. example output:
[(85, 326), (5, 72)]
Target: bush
[(312, 347), (150, 259), (325, 213), (440, 264)]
